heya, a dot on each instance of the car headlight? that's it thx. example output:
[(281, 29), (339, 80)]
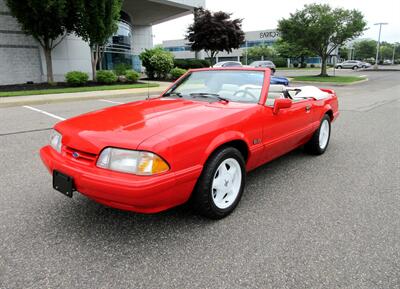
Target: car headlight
[(55, 140), (133, 162)]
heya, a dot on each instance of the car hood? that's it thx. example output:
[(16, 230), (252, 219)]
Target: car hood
[(128, 125)]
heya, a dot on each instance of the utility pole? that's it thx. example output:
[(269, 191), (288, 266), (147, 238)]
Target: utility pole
[(379, 43)]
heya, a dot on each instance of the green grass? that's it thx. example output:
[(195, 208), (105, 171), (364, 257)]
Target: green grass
[(299, 69), (331, 79), (76, 89)]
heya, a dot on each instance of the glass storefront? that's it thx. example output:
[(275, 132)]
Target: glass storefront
[(119, 49)]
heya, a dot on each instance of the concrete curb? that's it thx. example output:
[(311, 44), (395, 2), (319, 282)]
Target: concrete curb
[(331, 83), (70, 97)]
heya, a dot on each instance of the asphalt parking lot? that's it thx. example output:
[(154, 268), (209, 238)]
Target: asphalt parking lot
[(304, 222)]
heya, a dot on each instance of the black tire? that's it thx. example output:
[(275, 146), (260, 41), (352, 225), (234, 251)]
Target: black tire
[(339, 67), (202, 200), (313, 146), (355, 67), (273, 70)]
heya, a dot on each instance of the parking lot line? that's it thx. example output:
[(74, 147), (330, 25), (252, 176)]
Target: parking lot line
[(110, 101), (44, 112)]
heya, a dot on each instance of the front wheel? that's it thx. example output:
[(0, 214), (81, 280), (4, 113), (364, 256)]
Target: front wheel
[(221, 184), (320, 140)]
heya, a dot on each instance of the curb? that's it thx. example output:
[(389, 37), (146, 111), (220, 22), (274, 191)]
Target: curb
[(331, 83), (67, 97)]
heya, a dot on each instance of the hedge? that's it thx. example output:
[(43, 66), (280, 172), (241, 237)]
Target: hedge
[(191, 63), (76, 78)]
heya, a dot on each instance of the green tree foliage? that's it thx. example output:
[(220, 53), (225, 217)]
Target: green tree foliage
[(214, 32), (157, 62), (48, 21), (364, 49), (291, 50), (261, 51), (321, 29), (98, 21)]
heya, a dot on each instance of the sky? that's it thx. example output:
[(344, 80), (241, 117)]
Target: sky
[(264, 14)]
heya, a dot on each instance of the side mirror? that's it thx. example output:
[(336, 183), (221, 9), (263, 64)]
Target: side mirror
[(281, 103)]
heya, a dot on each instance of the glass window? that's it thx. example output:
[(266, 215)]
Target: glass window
[(237, 86)]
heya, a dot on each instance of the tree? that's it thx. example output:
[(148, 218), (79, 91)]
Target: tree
[(386, 52), (156, 61), (261, 51), (291, 50), (321, 29), (364, 49), (214, 32), (98, 21), (48, 21), (344, 52)]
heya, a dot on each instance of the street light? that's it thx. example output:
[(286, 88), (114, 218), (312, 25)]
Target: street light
[(379, 43), (394, 52)]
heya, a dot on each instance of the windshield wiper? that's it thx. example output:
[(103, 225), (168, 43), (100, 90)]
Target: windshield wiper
[(178, 94), (209, 95)]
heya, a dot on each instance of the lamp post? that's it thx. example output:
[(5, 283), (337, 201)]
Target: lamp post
[(379, 43), (394, 51)]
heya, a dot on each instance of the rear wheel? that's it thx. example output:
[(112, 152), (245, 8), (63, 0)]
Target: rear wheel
[(320, 139), (221, 184), (339, 67), (355, 67)]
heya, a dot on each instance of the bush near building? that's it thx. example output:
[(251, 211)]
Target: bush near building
[(106, 76), (132, 75), (162, 63), (121, 68), (191, 63), (76, 78), (177, 72)]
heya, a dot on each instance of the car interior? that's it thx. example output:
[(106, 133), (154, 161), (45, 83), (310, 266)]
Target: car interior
[(296, 94)]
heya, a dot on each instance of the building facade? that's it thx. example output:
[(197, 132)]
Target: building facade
[(22, 59)]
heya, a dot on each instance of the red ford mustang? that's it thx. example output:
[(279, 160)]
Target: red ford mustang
[(195, 142)]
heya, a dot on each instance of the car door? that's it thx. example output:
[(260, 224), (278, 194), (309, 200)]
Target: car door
[(286, 130)]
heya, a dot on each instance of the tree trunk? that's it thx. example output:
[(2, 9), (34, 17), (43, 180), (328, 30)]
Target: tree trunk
[(94, 58), (323, 66), (49, 64)]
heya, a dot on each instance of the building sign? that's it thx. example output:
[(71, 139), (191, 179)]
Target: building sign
[(269, 34)]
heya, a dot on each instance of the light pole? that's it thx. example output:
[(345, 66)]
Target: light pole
[(394, 51), (379, 43)]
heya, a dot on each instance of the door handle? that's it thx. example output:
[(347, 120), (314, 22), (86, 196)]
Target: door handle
[(308, 108)]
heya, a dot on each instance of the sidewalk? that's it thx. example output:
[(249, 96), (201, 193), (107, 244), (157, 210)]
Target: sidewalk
[(64, 97)]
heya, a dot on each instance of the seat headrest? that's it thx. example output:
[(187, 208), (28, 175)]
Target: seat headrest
[(276, 88)]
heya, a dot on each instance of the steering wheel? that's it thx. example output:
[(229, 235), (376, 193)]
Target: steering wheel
[(245, 93)]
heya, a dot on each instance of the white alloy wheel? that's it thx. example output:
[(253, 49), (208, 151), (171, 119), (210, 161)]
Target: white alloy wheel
[(324, 134), (226, 183)]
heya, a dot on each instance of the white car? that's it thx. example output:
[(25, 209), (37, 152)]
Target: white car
[(352, 64), (228, 64)]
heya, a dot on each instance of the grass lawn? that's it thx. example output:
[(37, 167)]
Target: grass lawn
[(332, 79), (56, 90), (299, 69)]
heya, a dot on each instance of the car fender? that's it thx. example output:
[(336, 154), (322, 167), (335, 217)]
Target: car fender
[(222, 139)]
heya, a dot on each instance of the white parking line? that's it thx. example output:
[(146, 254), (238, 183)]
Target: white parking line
[(363, 76), (110, 101), (44, 112)]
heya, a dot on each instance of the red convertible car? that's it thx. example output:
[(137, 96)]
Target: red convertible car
[(195, 142)]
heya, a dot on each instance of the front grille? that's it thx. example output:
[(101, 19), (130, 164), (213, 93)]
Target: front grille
[(80, 156)]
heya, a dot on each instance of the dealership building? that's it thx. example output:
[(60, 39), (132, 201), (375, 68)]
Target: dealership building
[(22, 59)]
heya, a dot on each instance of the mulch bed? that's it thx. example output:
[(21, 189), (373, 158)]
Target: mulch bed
[(45, 85)]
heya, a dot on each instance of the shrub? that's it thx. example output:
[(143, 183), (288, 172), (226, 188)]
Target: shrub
[(162, 64), (280, 62), (191, 63), (106, 76), (76, 78), (158, 65), (177, 72), (303, 65), (132, 75), (121, 68), (312, 65), (295, 64)]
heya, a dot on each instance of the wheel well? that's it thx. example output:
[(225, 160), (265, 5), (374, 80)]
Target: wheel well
[(330, 114), (240, 145)]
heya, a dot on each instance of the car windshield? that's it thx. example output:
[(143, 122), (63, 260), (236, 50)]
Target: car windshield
[(227, 85)]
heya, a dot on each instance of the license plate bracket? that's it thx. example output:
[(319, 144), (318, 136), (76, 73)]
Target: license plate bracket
[(63, 183)]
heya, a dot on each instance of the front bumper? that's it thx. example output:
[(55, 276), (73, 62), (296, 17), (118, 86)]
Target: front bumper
[(143, 194)]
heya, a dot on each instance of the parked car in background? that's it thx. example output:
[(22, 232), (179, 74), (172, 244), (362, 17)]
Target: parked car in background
[(264, 64), (196, 141), (279, 80), (366, 64), (387, 62), (351, 64), (228, 64)]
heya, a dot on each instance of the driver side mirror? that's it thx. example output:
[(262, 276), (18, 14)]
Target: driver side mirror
[(281, 103)]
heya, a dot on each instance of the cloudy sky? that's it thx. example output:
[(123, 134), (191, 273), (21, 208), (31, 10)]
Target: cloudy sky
[(264, 14)]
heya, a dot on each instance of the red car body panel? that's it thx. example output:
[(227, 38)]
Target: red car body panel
[(184, 133)]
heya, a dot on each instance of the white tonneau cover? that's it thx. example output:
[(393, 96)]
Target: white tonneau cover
[(311, 92)]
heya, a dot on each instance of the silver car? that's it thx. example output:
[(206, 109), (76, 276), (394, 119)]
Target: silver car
[(351, 64), (228, 64), (264, 63)]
